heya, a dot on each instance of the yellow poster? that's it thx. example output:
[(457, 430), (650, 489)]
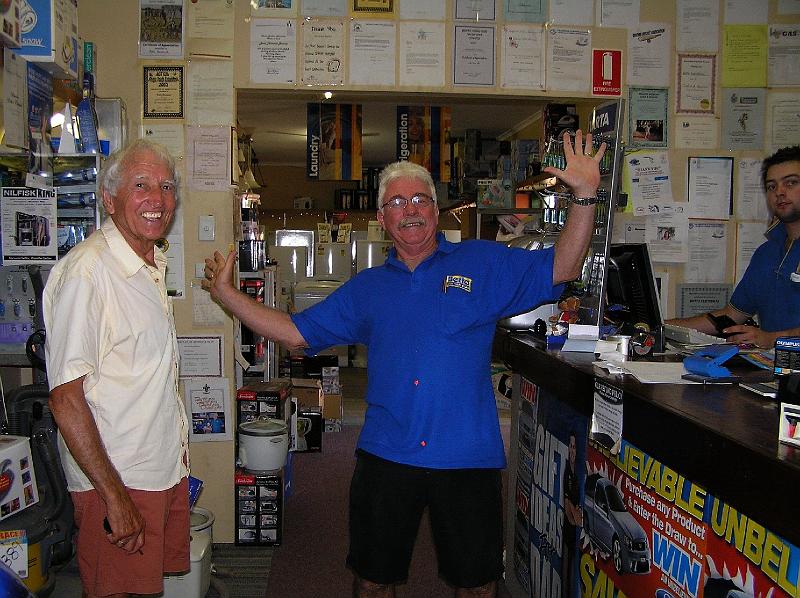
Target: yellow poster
[(382, 7), (744, 56)]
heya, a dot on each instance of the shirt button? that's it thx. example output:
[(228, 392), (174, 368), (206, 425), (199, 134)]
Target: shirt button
[(416, 382)]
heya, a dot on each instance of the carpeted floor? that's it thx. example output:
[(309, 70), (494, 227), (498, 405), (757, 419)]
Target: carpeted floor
[(311, 561)]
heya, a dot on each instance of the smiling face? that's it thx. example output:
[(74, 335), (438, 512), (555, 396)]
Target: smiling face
[(144, 203), (412, 228), (782, 184)]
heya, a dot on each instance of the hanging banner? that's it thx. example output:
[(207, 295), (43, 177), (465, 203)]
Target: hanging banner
[(423, 135), (333, 142)]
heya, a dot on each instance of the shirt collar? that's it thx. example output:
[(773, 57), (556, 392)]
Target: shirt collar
[(442, 245), (124, 254), (776, 232)]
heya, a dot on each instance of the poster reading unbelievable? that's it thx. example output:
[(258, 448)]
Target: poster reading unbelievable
[(649, 531)]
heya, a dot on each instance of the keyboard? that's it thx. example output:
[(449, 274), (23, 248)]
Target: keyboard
[(690, 336)]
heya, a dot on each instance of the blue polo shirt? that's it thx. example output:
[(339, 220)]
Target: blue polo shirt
[(766, 288), (429, 332)]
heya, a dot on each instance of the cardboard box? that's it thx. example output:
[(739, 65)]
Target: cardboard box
[(307, 391), (258, 509), (267, 399), (306, 429), (51, 40), (18, 489), (10, 33), (330, 380), (333, 406)]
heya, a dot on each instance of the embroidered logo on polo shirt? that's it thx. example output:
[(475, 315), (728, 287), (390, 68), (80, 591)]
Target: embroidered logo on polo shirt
[(458, 282)]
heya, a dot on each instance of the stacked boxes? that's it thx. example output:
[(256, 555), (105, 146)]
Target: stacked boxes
[(306, 421), (52, 42), (332, 404), (263, 399)]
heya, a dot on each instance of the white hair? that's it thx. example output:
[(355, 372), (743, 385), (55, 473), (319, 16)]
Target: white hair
[(404, 170)]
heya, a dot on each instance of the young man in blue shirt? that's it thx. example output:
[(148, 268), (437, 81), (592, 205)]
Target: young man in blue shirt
[(431, 436), (770, 287)]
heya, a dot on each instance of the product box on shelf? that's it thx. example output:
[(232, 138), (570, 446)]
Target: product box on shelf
[(50, 35), (307, 391), (17, 479), (307, 427), (258, 504), (263, 399), (330, 380), (332, 406)]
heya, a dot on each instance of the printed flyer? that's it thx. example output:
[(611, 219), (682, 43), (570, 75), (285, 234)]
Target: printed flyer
[(649, 531)]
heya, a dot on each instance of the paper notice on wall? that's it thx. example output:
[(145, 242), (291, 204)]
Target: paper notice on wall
[(710, 187), (208, 405), (743, 111), (647, 175), (322, 61), (784, 55), (372, 53), (569, 59), (750, 202), (667, 233), (522, 57), (696, 132), (697, 28), (708, 251), (649, 55), (422, 54), (745, 12), (273, 53), (783, 119), (749, 235), (618, 13)]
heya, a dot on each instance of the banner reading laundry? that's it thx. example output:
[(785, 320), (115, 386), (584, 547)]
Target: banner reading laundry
[(423, 134), (333, 142)]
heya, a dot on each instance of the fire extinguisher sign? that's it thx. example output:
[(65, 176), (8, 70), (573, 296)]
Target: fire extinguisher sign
[(606, 72)]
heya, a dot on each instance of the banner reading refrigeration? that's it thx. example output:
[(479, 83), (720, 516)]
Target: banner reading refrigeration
[(423, 135), (333, 142)]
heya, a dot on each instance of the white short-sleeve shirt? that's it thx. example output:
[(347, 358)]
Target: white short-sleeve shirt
[(108, 318)]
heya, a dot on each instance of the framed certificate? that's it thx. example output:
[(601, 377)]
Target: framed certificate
[(373, 5), (163, 92)]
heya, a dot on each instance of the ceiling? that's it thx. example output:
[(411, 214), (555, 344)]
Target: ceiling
[(276, 120)]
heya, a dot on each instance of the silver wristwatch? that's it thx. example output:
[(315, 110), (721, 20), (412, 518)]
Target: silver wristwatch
[(583, 201)]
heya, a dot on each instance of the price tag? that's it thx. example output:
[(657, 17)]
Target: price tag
[(14, 551)]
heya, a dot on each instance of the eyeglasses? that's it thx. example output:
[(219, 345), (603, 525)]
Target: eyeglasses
[(399, 202)]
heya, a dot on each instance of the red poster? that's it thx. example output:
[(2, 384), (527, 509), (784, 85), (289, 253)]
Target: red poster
[(606, 72)]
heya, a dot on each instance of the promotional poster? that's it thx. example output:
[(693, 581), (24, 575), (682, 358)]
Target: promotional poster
[(550, 479), (649, 531), (333, 142), (423, 135)]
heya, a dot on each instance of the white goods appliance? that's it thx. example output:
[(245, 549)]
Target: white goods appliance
[(311, 291), (371, 253), (298, 238), (194, 584), (263, 444), (333, 261)]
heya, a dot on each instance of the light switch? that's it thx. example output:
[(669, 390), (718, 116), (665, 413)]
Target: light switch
[(206, 230)]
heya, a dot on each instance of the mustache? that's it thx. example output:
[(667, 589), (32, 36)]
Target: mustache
[(411, 220)]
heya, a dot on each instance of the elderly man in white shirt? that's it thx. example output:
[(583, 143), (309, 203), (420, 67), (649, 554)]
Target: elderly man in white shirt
[(112, 365)]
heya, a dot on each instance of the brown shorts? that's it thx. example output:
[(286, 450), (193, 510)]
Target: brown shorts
[(107, 569)]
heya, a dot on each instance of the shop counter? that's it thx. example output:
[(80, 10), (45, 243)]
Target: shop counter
[(699, 469)]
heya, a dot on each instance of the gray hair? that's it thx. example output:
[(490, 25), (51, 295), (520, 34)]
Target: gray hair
[(111, 173), (404, 170)]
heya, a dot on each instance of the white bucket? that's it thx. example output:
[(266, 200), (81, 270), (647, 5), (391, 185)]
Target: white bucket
[(195, 583)]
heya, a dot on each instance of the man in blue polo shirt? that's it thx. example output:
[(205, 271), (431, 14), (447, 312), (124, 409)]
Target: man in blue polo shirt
[(431, 436), (770, 287)]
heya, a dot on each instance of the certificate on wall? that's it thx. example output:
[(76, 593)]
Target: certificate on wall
[(429, 10), (163, 92), (381, 6), (710, 192), (473, 56), (161, 29), (475, 10), (208, 406), (649, 53), (209, 161), (696, 84), (696, 132), (201, 356), (522, 57), (783, 119), (422, 54), (529, 11), (569, 59), (649, 125), (323, 52), (743, 111), (273, 51), (372, 52), (697, 25)]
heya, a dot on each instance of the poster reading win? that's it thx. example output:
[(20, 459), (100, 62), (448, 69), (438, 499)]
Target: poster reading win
[(423, 134), (649, 531), (333, 142)]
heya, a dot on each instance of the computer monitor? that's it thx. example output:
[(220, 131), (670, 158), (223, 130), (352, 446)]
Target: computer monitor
[(631, 293)]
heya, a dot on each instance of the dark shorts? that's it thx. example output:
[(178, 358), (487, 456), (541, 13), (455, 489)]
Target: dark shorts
[(465, 508)]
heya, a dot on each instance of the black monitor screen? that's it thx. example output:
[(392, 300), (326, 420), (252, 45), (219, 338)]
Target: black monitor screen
[(631, 294)]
